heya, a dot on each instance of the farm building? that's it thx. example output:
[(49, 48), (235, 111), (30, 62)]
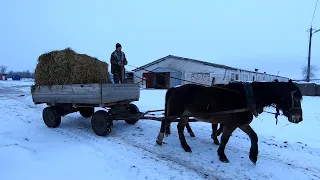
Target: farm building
[(3, 77), (16, 77), (172, 71)]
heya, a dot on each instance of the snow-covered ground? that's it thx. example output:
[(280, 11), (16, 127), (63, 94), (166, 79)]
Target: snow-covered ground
[(30, 150)]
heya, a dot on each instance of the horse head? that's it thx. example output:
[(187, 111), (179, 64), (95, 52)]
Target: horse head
[(290, 102)]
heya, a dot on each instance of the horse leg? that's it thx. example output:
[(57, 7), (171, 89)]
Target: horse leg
[(167, 130), (227, 131), (182, 123), (214, 134), (220, 129), (190, 130), (254, 143), (164, 124)]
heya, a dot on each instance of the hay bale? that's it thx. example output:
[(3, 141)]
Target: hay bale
[(68, 67)]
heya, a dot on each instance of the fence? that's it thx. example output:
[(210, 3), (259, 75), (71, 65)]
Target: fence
[(309, 89)]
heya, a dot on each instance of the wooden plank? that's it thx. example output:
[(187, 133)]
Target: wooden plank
[(94, 94), (120, 92), (75, 93)]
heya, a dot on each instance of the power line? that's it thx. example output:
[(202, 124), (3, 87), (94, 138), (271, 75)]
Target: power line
[(314, 12)]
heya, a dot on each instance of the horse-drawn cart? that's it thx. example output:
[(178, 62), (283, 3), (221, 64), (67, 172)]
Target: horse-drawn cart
[(116, 99), (65, 99)]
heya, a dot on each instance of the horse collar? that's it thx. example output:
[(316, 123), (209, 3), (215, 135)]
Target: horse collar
[(250, 98)]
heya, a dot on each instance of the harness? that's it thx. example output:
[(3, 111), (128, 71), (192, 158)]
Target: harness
[(292, 106), (250, 98), (251, 102)]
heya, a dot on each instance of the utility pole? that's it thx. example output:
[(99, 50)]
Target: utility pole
[(309, 53)]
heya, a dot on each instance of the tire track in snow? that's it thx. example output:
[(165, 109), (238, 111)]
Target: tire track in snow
[(235, 149), (87, 136)]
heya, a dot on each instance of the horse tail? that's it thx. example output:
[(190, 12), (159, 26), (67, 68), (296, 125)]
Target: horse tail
[(168, 93), (220, 129)]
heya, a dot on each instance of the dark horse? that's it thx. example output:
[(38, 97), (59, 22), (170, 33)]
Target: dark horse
[(241, 100), (215, 131)]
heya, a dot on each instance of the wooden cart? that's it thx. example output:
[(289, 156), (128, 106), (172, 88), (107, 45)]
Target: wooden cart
[(65, 99)]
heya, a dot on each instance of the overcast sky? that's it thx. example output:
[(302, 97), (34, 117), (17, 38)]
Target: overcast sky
[(270, 35)]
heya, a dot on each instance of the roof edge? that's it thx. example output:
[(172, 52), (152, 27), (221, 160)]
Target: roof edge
[(199, 61)]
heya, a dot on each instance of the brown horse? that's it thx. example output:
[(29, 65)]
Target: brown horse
[(215, 132), (202, 102)]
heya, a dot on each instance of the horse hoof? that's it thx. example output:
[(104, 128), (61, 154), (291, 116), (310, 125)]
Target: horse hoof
[(224, 160), (253, 160), (158, 142), (192, 135), (216, 142), (187, 149), (167, 135)]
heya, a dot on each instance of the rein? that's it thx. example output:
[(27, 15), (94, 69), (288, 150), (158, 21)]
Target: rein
[(277, 113)]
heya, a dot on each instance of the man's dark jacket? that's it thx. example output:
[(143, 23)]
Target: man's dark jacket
[(117, 59)]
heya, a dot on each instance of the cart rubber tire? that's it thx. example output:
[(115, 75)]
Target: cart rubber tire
[(51, 117), (87, 112), (134, 110), (101, 123)]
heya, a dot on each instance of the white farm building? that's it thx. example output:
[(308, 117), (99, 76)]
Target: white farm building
[(172, 71)]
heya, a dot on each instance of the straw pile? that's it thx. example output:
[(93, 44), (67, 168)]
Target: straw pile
[(68, 67)]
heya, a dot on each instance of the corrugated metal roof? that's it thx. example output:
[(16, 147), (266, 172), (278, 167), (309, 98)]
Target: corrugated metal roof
[(196, 61), (185, 59), (162, 69)]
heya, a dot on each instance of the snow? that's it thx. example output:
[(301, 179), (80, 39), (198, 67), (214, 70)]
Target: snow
[(30, 150)]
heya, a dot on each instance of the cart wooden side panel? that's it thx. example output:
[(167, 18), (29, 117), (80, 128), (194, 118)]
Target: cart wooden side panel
[(95, 94), (120, 92), (74, 93)]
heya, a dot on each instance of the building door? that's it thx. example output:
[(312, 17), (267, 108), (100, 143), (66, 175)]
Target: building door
[(149, 79), (160, 81)]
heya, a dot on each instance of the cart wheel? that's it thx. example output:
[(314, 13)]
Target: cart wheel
[(87, 112), (51, 117), (101, 123), (133, 110)]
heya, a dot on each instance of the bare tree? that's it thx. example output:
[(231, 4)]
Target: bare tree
[(3, 69), (313, 70)]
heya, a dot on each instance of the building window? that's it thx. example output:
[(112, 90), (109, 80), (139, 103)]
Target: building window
[(246, 77), (237, 77), (258, 79), (213, 81), (232, 76)]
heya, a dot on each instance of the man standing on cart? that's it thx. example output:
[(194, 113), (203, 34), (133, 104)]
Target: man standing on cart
[(118, 61)]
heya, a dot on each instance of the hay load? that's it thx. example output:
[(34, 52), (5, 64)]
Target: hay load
[(68, 67)]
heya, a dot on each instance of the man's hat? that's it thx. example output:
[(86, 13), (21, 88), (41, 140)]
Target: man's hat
[(118, 45)]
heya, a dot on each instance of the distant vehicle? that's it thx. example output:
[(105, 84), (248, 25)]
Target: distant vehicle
[(16, 77)]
